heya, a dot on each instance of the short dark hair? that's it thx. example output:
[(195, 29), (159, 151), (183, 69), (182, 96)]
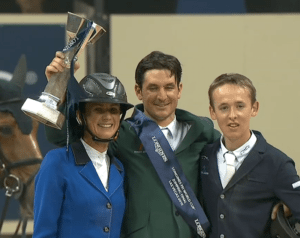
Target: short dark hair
[(234, 79), (158, 60)]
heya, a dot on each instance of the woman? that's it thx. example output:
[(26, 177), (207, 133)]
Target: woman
[(79, 191)]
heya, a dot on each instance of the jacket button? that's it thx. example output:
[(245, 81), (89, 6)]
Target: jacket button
[(222, 236), (108, 205), (222, 196), (106, 229), (177, 213), (222, 216)]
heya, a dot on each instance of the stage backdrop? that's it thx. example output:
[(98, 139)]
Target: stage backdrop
[(265, 48), (38, 37)]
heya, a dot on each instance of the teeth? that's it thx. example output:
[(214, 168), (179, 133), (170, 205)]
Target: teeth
[(106, 126)]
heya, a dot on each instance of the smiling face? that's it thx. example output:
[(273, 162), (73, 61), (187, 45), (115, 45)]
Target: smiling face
[(160, 95), (103, 120), (232, 108)]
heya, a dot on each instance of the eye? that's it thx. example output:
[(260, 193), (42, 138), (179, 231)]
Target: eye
[(170, 88), (115, 111), (241, 106), (152, 88), (223, 108), (100, 110), (6, 130)]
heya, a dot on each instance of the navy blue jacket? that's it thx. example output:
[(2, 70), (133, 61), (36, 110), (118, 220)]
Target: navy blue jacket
[(243, 208), (70, 200)]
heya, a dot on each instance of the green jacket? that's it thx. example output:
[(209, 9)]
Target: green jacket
[(149, 210)]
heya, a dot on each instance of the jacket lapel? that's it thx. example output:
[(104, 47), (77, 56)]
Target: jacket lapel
[(115, 178), (193, 132), (90, 174), (213, 164), (253, 158), (88, 171)]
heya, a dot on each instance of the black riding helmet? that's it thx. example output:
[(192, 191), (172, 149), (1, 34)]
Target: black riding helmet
[(283, 227), (103, 88)]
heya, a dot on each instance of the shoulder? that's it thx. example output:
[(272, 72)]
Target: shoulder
[(269, 150), (189, 117), (204, 126), (55, 158), (211, 148)]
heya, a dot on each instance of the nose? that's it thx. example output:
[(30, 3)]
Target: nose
[(162, 94), (106, 115), (232, 114)]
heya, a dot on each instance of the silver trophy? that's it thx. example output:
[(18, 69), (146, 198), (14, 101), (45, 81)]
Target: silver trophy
[(81, 32)]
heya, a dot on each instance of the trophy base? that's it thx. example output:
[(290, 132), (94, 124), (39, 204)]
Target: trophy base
[(42, 113)]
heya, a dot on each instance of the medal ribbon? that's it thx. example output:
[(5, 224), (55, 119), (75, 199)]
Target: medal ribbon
[(170, 172)]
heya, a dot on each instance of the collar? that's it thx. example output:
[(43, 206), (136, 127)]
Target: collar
[(95, 156), (172, 127), (243, 150), (81, 157)]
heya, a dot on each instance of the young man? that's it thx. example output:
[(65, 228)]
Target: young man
[(150, 212), (242, 176)]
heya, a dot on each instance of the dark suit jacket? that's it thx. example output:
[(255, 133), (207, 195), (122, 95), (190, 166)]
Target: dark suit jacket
[(243, 208)]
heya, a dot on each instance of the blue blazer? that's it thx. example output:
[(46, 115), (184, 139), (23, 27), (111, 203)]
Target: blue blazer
[(70, 200), (243, 208)]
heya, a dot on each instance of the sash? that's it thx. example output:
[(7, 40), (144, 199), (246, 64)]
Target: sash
[(169, 171)]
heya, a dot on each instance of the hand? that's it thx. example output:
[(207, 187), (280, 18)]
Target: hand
[(58, 65), (287, 211)]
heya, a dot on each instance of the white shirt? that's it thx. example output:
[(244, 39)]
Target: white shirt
[(100, 161), (240, 153), (175, 132)]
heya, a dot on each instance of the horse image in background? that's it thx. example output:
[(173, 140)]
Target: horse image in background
[(20, 155)]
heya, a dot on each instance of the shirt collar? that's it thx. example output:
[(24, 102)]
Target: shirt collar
[(243, 150), (95, 156), (172, 127)]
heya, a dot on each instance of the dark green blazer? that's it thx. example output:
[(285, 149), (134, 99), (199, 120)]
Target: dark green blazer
[(150, 212)]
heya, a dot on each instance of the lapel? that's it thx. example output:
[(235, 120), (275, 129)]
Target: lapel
[(253, 158), (115, 177), (193, 133), (213, 163), (89, 172)]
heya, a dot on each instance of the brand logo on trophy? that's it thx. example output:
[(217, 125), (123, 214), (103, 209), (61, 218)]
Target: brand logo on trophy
[(81, 32)]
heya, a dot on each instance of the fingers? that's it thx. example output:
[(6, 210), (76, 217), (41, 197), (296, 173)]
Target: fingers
[(287, 211), (76, 66), (275, 210), (57, 65)]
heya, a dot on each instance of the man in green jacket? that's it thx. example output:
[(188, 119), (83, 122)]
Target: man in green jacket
[(150, 213)]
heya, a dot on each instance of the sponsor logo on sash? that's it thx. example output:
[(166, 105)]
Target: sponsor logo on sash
[(200, 230), (159, 150)]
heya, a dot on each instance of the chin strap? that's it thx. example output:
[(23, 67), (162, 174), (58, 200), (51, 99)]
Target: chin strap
[(95, 138)]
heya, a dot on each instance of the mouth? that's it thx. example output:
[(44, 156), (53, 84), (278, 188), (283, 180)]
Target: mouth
[(106, 125), (162, 105), (233, 125)]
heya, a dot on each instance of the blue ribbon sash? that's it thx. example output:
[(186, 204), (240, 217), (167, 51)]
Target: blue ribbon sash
[(170, 172)]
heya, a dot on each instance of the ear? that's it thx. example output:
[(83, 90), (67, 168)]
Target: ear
[(138, 92), (212, 113), (78, 118), (255, 108), (180, 90)]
